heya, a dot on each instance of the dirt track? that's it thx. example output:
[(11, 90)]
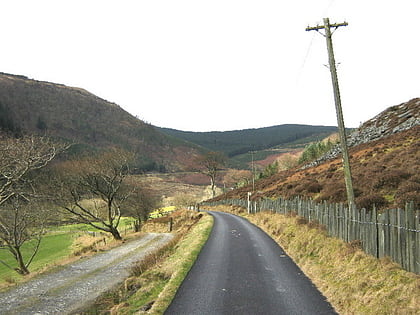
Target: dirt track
[(80, 283)]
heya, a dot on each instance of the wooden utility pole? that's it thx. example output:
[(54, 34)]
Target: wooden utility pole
[(340, 120), (253, 170)]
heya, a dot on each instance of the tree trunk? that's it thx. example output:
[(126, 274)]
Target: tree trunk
[(213, 184), (115, 233), (22, 269), (137, 226)]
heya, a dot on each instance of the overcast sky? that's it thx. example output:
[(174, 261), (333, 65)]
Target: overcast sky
[(219, 64)]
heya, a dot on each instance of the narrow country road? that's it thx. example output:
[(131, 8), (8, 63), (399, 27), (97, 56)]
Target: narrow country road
[(79, 283), (241, 270)]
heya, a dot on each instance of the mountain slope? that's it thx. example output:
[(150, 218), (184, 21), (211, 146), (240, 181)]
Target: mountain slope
[(93, 123), (237, 142), (384, 158)]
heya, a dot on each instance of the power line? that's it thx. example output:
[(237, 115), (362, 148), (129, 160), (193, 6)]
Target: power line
[(328, 7), (304, 60)]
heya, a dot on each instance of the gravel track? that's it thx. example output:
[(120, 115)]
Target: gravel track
[(80, 283)]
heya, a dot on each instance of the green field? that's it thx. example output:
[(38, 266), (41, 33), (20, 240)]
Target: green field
[(55, 246), (125, 223)]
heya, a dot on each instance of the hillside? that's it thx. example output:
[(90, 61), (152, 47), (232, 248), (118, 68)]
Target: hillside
[(90, 122), (384, 157), (237, 142)]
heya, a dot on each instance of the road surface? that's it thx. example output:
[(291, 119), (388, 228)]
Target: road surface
[(241, 270), (80, 283)]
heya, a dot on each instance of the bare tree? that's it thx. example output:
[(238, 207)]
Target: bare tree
[(211, 163), (140, 204), (184, 200), (21, 218), (287, 161), (237, 178), (96, 178), (18, 157), (22, 222)]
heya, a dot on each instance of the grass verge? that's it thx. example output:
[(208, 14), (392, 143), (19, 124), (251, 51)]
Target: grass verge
[(353, 281), (179, 264), (156, 278)]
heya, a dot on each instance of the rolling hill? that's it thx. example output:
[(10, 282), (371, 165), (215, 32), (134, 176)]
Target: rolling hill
[(237, 142), (266, 144), (92, 123)]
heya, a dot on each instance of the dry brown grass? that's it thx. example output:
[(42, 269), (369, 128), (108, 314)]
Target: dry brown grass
[(86, 243), (153, 258), (172, 185), (182, 220)]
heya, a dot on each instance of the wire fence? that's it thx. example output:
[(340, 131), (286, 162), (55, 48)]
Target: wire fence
[(394, 233)]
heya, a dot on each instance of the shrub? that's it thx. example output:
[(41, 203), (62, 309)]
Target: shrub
[(301, 220), (415, 178), (335, 192), (289, 186), (314, 224), (315, 150), (368, 201), (299, 189), (314, 187), (391, 179), (411, 196), (357, 192), (356, 245), (153, 258), (408, 187)]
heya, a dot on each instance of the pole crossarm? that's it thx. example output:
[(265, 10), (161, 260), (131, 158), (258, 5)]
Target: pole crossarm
[(319, 27)]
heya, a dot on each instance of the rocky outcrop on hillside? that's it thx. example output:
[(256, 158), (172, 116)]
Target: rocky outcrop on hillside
[(393, 120)]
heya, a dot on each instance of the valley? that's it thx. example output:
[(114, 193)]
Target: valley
[(88, 147)]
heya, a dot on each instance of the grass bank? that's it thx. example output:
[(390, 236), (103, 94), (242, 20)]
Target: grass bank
[(155, 279), (353, 282)]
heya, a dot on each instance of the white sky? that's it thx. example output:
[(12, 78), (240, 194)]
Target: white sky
[(220, 64)]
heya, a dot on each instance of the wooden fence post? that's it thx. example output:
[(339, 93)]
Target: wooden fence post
[(399, 221), (393, 238), (417, 242), (170, 224), (387, 234), (410, 226)]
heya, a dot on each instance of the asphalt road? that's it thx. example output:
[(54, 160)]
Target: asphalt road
[(241, 270)]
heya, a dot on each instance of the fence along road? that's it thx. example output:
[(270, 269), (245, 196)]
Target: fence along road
[(394, 233), (241, 270)]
